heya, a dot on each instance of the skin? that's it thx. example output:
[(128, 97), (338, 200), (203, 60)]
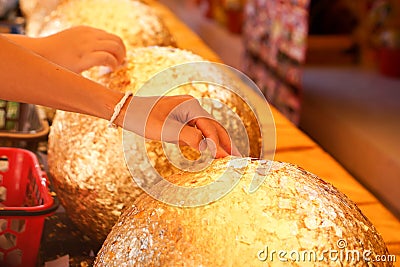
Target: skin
[(76, 49), (45, 71)]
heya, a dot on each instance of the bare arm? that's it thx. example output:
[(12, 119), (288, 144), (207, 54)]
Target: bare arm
[(77, 48), (28, 77)]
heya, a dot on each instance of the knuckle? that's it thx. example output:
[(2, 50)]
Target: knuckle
[(188, 97), (195, 139), (198, 134), (109, 58)]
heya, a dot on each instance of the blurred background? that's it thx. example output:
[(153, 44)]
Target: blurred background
[(331, 66)]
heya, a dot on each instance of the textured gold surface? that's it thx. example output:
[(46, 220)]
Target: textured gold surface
[(142, 64), (86, 157), (146, 62), (293, 210), (88, 169), (34, 12), (136, 23)]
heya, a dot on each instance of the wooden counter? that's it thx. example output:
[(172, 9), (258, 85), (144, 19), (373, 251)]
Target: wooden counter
[(295, 147)]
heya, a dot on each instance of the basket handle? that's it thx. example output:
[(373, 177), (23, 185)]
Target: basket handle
[(44, 177), (28, 136), (47, 212)]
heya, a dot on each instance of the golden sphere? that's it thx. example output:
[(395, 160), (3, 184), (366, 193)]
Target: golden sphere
[(86, 157), (136, 23), (293, 211), (34, 12)]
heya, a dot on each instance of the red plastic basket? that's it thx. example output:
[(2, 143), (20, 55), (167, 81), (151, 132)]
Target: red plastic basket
[(25, 202)]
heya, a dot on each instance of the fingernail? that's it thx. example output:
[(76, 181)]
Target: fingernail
[(203, 145), (235, 152)]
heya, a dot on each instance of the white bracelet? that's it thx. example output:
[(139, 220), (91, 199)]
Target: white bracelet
[(117, 109)]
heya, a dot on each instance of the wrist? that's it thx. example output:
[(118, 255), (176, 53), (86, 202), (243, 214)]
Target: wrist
[(119, 110), (24, 41)]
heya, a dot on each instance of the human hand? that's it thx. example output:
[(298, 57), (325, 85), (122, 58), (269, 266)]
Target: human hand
[(177, 119), (80, 48)]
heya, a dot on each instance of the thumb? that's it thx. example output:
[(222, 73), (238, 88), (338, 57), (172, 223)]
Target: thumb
[(193, 137)]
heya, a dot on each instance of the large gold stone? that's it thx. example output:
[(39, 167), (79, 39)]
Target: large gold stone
[(293, 211), (136, 23), (34, 12), (86, 157)]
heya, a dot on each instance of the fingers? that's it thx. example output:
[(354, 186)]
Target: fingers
[(194, 138), (98, 47), (206, 135), (111, 47), (91, 33), (176, 132), (181, 120), (82, 47), (113, 44), (98, 58), (225, 140), (106, 49), (190, 136), (209, 130), (201, 129)]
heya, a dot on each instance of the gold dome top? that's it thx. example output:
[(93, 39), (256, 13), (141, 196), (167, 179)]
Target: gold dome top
[(293, 211), (136, 23), (86, 157)]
